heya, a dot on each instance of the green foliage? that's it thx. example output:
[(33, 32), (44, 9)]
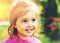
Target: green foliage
[(3, 32), (42, 37)]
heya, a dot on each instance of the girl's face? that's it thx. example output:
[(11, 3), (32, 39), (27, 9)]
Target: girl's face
[(26, 24)]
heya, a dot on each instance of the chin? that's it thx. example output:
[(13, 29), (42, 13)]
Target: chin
[(29, 34)]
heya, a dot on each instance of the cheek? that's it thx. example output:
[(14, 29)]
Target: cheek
[(20, 29), (24, 26), (19, 26), (35, 24)]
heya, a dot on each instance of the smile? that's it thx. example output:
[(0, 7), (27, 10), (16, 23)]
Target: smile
[(29, 30)]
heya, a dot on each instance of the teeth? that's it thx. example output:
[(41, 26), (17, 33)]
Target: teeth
[(29, 30)]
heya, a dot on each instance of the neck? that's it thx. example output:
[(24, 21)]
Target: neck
[(24, 37)]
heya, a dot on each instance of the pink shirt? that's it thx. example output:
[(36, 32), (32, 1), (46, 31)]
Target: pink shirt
[(31, 40)]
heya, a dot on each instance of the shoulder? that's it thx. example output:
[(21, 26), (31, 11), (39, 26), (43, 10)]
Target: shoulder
[(37, 40), (8, 40)]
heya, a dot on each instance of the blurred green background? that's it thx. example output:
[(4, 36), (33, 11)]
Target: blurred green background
[(42, 4)]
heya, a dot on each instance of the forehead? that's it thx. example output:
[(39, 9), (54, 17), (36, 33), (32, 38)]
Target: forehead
[(29, 15)]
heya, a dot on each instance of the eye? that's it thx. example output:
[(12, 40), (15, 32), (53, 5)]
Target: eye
[(33, 20), (24, 21)]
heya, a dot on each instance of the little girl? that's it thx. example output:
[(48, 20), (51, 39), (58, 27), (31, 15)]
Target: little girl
[(23, 22)]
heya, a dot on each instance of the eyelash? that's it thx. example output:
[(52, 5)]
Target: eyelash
[(33, 19), (24, 21)]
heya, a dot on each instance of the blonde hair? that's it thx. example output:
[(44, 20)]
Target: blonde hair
[(18, 9)]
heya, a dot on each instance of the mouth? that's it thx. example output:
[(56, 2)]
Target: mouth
[(29, 30)]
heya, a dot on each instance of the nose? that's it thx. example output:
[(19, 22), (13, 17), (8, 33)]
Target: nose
[(30, 24)]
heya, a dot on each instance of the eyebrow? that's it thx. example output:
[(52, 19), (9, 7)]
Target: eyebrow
[(26, 18)]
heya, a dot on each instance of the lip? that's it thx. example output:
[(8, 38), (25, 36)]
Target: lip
[(29, 30)]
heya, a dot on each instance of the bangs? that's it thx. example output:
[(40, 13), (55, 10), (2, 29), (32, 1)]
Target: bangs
[(20, 8)]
